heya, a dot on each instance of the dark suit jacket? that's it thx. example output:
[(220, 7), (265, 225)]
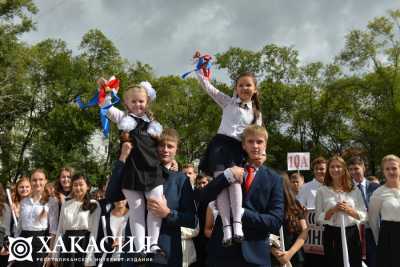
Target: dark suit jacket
[(371, 187), (263, 214), (179, 194)]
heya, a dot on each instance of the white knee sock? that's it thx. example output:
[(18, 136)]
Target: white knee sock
[(225, 213), (136, 216), (235, 196), (154, 222)]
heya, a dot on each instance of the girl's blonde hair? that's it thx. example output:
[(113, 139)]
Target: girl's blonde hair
[(390, 157), (138, 88)]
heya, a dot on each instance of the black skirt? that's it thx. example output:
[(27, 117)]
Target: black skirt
[(332, 241), (388, 244), (222, 152), (38, 258), (142, 170), (76, 259)]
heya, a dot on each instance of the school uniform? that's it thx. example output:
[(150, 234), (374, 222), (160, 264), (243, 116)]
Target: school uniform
[(331, 237), (179, 195), (116, 227), (384, 220), (78, 223), (262, 214), (225, 149), (188, 249), (142, 171), (367, 188), (32, 224)]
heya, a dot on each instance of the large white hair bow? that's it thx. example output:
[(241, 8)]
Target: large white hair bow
[(150, 90)]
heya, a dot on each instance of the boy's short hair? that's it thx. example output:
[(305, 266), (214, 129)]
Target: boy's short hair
[(296, 175), (356, 160), (169, 134), (255, 130), (317, 161), (188, 165)]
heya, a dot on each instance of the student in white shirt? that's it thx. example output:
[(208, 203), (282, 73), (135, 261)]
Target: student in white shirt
[(79, 218), (339, 197), (307, 193), (306, 197), (116, 223), (38, 217), (384, 214), (225, 149)]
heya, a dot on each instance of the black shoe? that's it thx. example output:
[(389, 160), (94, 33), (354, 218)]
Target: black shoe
[(237, 239), (227, 243), (141, 254), (158, 254)]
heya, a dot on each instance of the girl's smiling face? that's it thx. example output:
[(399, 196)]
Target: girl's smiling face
[(136, 102), (245, 88)]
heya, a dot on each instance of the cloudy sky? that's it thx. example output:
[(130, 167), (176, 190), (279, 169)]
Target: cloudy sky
[(164, 33)]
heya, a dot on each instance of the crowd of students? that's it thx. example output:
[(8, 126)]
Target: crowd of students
[(66, 208), (227, 216)]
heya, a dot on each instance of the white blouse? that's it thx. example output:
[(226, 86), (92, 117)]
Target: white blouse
[(73, 218), (328, 198), (30, 219), (116, 115), (5, 219), (234, 118), (118, 226), (308, 192), (384, 205)]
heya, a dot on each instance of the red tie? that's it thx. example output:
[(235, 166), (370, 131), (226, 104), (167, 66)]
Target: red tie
[(249, 178)]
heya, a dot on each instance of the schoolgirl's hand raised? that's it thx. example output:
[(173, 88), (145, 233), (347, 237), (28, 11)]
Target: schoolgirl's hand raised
[(101, 81)]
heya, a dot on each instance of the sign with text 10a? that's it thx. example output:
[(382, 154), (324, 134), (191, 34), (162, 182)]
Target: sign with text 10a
[(299, 161)]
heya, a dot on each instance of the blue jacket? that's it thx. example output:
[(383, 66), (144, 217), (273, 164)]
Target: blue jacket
[(179, 194), (263, 214)]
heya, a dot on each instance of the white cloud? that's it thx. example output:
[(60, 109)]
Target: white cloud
[(164, 34)]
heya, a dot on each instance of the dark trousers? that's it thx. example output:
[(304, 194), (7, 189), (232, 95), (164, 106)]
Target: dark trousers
[(332, 241)]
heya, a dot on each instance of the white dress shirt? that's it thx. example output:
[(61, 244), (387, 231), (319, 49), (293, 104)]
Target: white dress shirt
[(118, 226), (5, 219), (116, 115), (384, 205), (30, 219), (308, 193), (327, 198), (234, 118), (188, 249), (72, 217)]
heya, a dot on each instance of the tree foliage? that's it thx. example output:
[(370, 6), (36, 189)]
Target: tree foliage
[(351, 105)]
